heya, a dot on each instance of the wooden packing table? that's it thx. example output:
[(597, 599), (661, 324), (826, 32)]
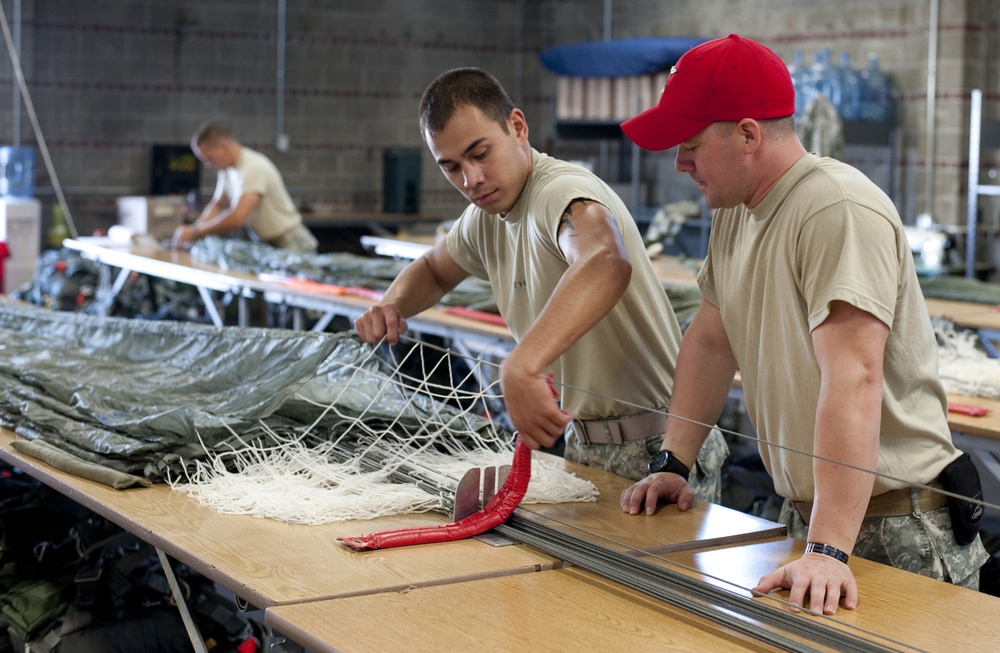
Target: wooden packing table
[(570, 609), (567, 610), (906, 608), (967, 314), (374, 220), (683, 272), (670, 270), (267, 562), (177, 265)]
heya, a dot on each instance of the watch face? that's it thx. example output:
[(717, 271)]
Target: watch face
[(659, 461)]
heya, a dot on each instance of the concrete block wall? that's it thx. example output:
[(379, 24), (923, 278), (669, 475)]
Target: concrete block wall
[(110, 78)]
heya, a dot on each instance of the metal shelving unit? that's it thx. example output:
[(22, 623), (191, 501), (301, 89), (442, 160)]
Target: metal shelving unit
[(982, 134)]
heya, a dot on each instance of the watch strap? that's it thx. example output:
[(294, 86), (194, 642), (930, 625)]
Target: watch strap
[(827, 550), (673, 465)]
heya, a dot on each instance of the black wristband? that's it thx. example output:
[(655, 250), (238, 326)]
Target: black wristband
[(827, 550)]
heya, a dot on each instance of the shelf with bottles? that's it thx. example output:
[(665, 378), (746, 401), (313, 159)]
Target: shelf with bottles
[(858, 95)]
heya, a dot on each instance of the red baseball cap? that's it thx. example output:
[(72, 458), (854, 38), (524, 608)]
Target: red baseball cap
[(726, 79)]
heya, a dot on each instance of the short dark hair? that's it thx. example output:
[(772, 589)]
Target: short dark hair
[(209, 132), (457, 88)]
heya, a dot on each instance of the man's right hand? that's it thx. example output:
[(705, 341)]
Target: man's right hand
[(665, 487), (381, 321)]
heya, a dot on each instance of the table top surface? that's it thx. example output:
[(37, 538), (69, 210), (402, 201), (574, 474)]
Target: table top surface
[(556, 610), (987, 426), (178, 265), (901, 606), (560, 610), (268, 562)]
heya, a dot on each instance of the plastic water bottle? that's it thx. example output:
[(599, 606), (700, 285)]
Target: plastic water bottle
[(820, 76), (876, 102), (17, 171), (850, 85)]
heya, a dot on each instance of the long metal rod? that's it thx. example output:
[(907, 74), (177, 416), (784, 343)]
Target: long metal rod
[(694, 595), (753, 618)]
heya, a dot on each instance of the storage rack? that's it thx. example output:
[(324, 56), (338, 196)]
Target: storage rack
[(982, 134)]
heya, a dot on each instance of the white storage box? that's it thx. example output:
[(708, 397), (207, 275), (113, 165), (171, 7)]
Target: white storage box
[(157, 216), (20, 228)]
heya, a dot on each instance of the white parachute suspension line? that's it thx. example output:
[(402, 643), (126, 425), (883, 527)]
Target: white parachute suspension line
[(297, 478), (963, 366)]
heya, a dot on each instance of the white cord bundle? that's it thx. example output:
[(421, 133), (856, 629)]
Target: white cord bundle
[(965, 368), (298, 479)]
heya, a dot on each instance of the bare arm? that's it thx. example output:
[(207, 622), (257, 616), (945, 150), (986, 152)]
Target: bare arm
[(419, 286), (219, 218), (849, 348), (705, 370), (598, 275), (226, 218)]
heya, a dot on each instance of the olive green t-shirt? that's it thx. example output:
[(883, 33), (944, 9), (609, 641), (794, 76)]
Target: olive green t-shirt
[(625, 363), (825, 232)]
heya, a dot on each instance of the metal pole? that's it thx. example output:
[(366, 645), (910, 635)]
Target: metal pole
[(931, 106), (972, 219), (197, 643), (280, 138)]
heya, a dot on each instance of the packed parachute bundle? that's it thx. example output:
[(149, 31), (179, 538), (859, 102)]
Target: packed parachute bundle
[(133, 402), (336, 268)]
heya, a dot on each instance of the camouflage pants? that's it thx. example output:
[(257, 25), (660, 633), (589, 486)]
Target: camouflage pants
[(630, 460), (921, 542)]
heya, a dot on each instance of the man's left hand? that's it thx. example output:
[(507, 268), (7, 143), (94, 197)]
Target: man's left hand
[(183, 235), (823, 578)]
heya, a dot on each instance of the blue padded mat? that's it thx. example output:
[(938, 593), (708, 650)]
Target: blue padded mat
[(618, 58)]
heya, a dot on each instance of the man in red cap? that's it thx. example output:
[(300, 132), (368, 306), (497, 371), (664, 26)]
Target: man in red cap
[(809, 290)]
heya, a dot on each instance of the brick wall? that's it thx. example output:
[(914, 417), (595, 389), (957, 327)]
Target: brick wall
[(110, 78)]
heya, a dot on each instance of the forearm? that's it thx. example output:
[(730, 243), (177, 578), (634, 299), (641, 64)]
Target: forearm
[(416, 289), (702, 382), (847, 431), (216, 222)]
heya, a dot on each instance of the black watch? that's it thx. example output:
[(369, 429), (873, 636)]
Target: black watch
[(666, 461)]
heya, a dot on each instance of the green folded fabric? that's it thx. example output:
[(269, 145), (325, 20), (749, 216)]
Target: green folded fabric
[(72, 465)]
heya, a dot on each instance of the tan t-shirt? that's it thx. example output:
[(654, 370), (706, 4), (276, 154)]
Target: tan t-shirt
[(275, 214), (823, 233), (631, 353)]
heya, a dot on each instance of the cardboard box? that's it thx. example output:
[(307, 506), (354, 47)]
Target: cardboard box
[(157, 216)]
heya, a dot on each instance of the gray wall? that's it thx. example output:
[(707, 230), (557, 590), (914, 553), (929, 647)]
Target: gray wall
[(110, 78)]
